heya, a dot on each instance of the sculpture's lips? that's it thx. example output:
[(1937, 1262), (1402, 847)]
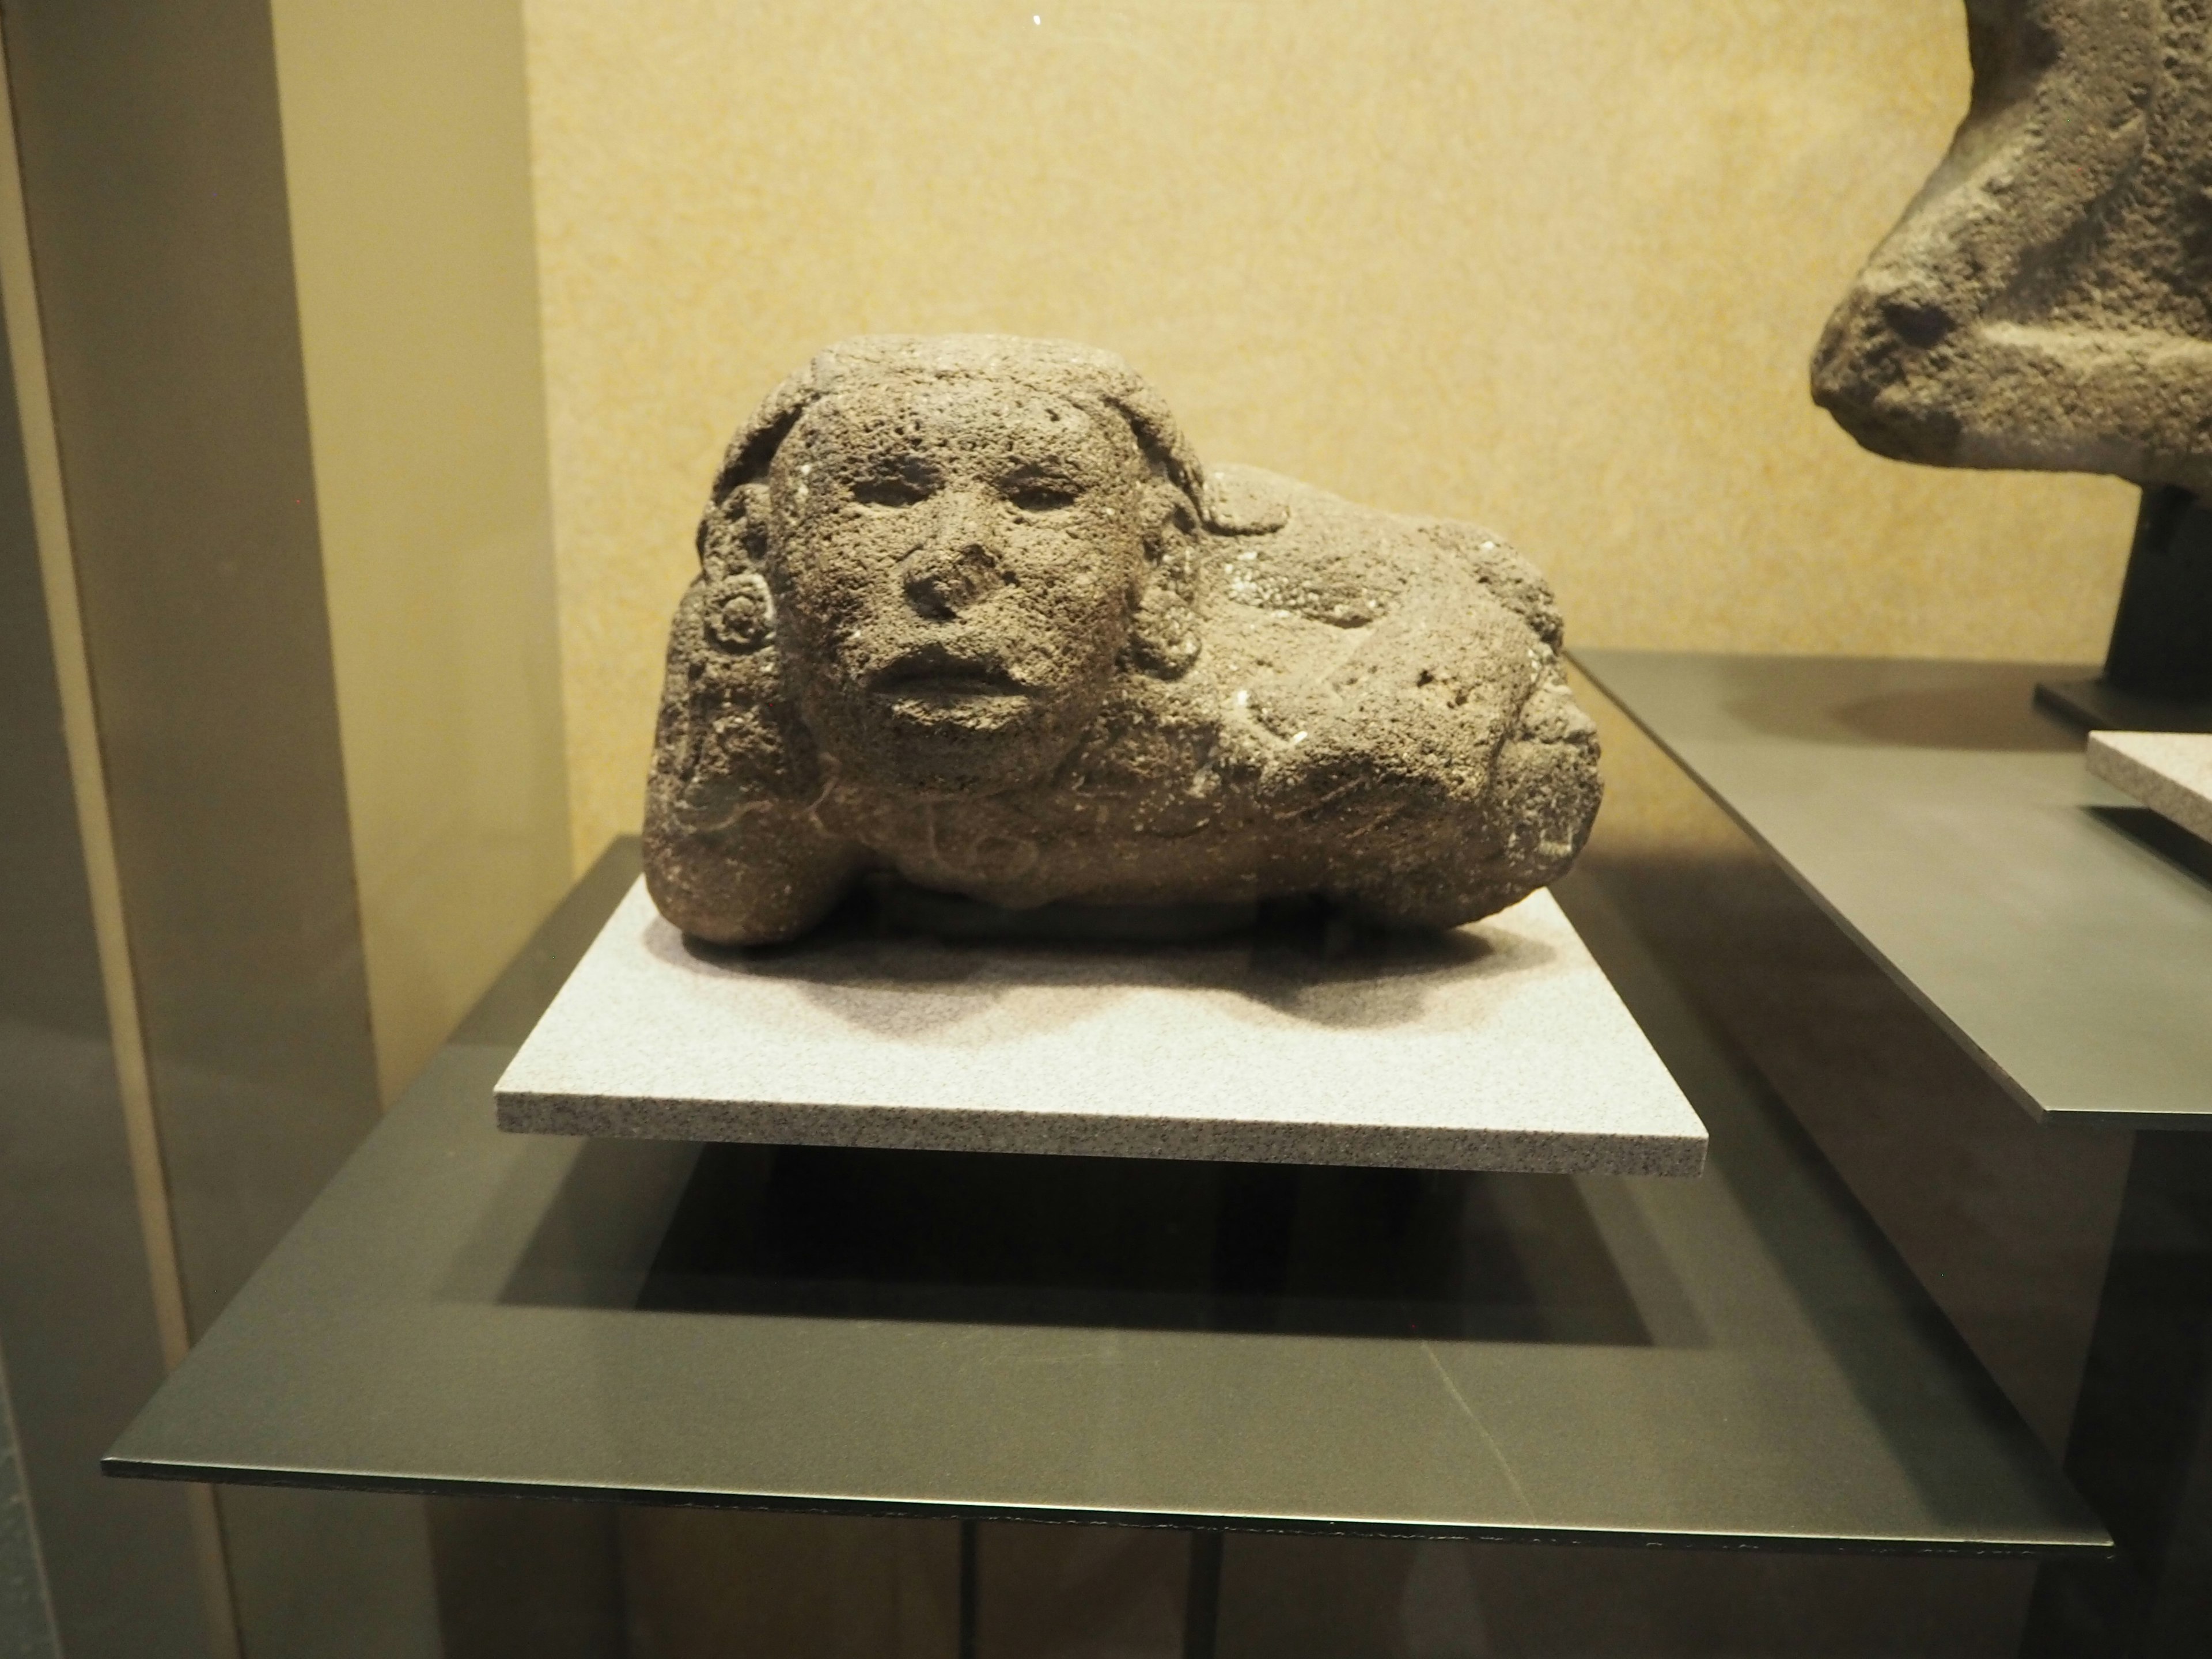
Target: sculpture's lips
[(936, 675)]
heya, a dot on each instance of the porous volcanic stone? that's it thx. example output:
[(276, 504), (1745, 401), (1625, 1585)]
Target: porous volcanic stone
[(971, 610), (2046, 301), (2169, 772)]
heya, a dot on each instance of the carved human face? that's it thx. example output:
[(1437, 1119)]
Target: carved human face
[(954, 564)]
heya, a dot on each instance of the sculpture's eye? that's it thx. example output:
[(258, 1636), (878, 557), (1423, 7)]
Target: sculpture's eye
[(892, 487), (1032, 493)]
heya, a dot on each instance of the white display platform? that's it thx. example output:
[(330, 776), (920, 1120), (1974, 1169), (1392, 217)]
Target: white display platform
[(2169, 772), (1501, 1046)]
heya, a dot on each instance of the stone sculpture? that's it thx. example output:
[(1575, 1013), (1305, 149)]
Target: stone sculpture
[(970, 609), (2046, 301)]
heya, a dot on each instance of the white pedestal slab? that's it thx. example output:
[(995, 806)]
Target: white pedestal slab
[(2169, 772), (1501, 1046)]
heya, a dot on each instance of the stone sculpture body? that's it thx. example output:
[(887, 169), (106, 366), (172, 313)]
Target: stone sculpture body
[(969, 609), (2046, 301)]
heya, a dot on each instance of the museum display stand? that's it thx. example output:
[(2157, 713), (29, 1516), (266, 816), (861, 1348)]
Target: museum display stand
[(2158, 670), (1942, 814), (1292, 1039), (1735, 1360)]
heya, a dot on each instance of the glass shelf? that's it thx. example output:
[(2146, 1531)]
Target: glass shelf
[(2062, 933), (1738, 1359)]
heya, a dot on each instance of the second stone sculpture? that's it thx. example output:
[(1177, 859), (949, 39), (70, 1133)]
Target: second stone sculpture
[(2044, 301), (969, 609)]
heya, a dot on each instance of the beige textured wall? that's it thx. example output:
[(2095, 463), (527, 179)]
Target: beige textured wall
[(407, 174), (1558, 267)]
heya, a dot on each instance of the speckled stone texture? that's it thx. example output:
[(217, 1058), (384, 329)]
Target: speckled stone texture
[(1500, 1046), (2169, 772), (971, 610), (2046, 301)]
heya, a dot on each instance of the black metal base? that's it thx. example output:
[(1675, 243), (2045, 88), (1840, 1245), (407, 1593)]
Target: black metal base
[(2158, 670), (2100, 706), (2142, 1446), (1201, 1607)]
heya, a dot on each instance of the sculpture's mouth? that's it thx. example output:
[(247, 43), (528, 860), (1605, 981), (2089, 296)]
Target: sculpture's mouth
[(940, 678), (937, 668)]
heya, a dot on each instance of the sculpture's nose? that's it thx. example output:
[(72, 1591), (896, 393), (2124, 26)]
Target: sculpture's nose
[(955, 567)]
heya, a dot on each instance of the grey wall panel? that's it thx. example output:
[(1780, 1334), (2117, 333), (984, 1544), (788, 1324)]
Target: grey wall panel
[(153, 178), (26, 1624), (76, 1314), (154, 181)]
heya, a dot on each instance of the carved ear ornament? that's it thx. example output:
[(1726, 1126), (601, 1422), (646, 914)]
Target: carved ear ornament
[(740, 612), (1163, 634)]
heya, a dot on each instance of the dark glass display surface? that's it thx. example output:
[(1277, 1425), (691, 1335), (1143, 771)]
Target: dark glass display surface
[(2062, 933), (1737, 1358)]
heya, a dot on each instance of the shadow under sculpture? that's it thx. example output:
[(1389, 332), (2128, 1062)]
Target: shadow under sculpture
[(970, 609)]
